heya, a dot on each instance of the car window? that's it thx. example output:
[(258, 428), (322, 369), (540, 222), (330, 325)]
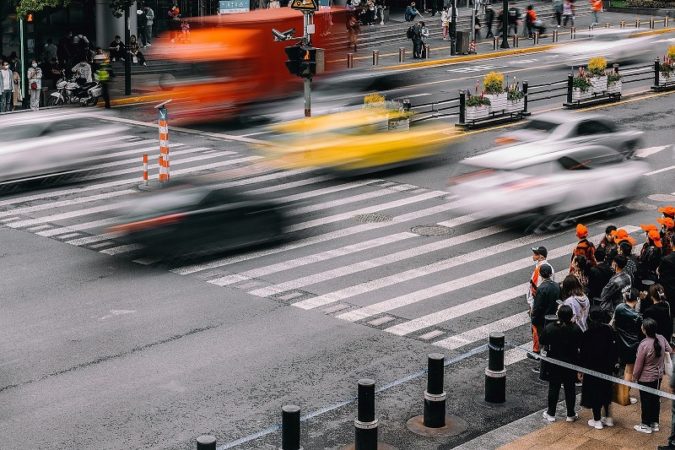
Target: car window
[(592, 127), (592, 158), (541, 125)]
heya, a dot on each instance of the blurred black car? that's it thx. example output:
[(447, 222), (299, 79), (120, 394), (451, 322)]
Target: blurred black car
[(193, 220)]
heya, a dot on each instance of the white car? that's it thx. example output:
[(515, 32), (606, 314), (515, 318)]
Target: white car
[(50, 143), (545, 185), (563, 127), (616, 45)]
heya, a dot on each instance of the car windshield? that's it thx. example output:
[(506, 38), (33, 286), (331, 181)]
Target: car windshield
[(541, 125)]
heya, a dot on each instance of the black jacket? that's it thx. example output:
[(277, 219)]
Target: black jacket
[(599, 349), (564, 343), (667, 276), (548, 293), (598, 278), (660, 312)]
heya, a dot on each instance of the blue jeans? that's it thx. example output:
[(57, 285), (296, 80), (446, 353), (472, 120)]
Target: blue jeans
[(6, 101), (596, 19)]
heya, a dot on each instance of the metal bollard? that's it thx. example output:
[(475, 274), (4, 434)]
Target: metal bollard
[(657, 64), (206, 442), (350, 60), (435, 396), (401, 54), (652, 23), (365, 425), (622, 24), (525, 86), (570, 87), (290, 428), (494, 43), (554, 36), (495, 374), (536, 38), (637, 23), (665, 22), (376, 57), (573, 33), (426, 51), (407, 105), (544, 373), (462, 106)]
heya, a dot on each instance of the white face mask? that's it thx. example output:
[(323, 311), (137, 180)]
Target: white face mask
[(34, 64)]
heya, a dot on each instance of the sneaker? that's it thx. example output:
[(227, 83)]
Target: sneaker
[(607, 421), (642, 428), (572, 418), (655, 427), (547, 417), (532, 355), (535, 369), (149, 45), (597, 424), (633, 400)]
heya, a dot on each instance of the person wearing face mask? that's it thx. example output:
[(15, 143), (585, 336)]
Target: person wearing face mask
[(6, 87), (34, 84)]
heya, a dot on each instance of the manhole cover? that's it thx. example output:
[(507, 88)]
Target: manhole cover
[(372, 218), (431, 230)]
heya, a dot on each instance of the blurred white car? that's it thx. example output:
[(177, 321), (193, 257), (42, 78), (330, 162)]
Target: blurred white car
[(49, 143), (545, 184), (569, 128), (616, 45)]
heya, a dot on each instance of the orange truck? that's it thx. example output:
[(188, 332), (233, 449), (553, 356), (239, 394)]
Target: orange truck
[(228, 65)]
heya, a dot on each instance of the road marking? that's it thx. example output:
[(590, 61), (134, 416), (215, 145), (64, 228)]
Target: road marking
[(293, 184), (430, 335), (92, 239), (62, 216), (517, 354), (480, 333), (333, 235), (343, 201), (311, 259), (79, 227), (645, 152), (666, 169), (38, 228), (121, 249), (74, 201), (68, 235), (381, 321), (458, 283), (124, 162), (469, 69), (462, 309), (372, 285)]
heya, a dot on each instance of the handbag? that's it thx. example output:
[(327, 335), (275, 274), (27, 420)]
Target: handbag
[(33, 86)]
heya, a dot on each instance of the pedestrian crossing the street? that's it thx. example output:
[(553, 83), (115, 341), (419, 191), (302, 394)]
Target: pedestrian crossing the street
[(392, 256)]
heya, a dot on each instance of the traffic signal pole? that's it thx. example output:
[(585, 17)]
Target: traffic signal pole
[(307, 40)]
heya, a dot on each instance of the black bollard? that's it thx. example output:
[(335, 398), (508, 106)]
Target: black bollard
[(290, 428), (206, 442), (401, 54), (573, 33), (570, 87), (525, 99), (495, 374), (494, 43), (544, 371), (657, 65), (350, 60), (376, 57), (434, 396), (427, 50), (365, 424), (462, 106)]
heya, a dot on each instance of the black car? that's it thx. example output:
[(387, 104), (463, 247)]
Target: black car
[(190, 220)]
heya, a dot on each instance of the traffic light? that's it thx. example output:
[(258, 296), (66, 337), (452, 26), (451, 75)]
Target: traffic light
[(304, 61)]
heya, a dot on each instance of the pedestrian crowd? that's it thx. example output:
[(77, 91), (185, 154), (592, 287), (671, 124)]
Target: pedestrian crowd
[(611, 314)]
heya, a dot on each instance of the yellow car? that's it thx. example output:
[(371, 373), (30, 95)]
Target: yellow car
[(355, 141)]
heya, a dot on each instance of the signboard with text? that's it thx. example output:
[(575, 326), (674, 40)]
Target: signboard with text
[(233, 6)]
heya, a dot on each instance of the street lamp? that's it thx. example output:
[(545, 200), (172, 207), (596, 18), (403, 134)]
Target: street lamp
[(505, 24)]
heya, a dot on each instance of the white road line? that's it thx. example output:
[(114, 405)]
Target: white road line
[(79, 227), (92, 239), (38, 228), (645, 152), (290, 185), (9, 219), (101, 244), (68, 235), (459, 283), (332, 235), (62, 216), (367, 210), (121, 249), (69, 202), (462, 309), (481, 333), (136, 161), (665, 169), (343, 201), (142, 148), (312, 259), (366, 265), (311, 193), (517, 354)]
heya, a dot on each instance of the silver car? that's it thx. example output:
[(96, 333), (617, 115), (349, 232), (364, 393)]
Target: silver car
[(562, 127), (546, 185), (49, 143), (615, 45)]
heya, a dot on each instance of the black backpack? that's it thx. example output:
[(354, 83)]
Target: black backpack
[(410, 33)]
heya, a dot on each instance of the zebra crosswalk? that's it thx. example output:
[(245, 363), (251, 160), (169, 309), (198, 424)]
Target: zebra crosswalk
[(392, 256)]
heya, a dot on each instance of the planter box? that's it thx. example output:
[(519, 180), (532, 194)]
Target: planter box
[(477, 112), (614, 88), (497, 102), (663, 80), (599, 84), (578, 94), (515, 105)]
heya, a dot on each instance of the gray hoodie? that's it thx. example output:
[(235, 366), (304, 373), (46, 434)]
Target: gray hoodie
[(580, 307)]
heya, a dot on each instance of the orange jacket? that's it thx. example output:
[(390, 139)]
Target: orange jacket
[(596, 5)]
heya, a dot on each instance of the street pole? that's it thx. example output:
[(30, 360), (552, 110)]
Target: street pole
[(127, 56), (505, 24), (23, 58), (473, 22), (453, 29), (307, 40)]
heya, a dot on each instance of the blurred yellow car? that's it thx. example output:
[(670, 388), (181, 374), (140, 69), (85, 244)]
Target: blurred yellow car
[(366, 139)]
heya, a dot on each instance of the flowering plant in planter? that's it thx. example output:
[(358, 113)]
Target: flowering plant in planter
[(613, 82), (493, 83), (666, 68), (597, 67), (477, 100), (514, 97), (581, 86), (477, 107)]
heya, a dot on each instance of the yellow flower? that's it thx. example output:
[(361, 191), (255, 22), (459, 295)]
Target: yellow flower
[(671, 52), (494, 83), (597, 65), (373, 98)]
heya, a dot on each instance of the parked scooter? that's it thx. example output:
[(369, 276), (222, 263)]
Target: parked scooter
[(75, 92)]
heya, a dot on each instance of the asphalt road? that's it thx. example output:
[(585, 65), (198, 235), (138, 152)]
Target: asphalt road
[(101, 350)]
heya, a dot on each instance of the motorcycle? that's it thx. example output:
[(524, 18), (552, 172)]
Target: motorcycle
[(72, 92)]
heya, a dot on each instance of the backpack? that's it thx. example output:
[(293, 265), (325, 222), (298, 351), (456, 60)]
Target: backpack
[(410, 33)]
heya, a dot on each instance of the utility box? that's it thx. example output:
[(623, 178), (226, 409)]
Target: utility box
[(462, 40)]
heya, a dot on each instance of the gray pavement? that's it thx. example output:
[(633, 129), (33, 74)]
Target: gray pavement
[(100, 350)]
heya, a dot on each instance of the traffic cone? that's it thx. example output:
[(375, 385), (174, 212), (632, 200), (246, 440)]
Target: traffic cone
[(472, 47)]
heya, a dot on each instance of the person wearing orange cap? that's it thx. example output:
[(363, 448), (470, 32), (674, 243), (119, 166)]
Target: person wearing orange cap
[(650, 254), (668, 211), (584, 247), (667, 233)]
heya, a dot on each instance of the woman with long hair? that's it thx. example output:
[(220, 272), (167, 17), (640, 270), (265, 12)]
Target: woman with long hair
[(655, 306), (572, 295), (598, 353), (648, 370), (582, 270)]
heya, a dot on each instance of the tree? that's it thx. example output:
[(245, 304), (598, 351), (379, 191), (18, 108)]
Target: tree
[(119, 6), (26, 6)]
